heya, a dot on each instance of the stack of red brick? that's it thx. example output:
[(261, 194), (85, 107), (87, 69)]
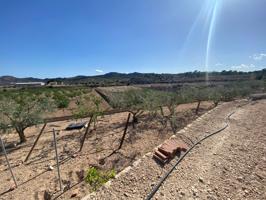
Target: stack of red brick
[(168, 150)]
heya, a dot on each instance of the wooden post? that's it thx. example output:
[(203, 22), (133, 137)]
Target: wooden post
[(198, 106), (57, 161), (37, 139), (125, 131), (9, 167), (85, 134)]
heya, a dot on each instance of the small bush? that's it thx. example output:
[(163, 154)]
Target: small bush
[(61, 101), (97, 178)]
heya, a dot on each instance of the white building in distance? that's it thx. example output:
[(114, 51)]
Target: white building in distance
[(29, 84)]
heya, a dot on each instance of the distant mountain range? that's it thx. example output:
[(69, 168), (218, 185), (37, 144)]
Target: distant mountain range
[(5, 80), (114, 78)]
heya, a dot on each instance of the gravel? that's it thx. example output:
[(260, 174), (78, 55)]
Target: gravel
[(229, 165)]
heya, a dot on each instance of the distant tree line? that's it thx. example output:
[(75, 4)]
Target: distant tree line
[(113, 79)]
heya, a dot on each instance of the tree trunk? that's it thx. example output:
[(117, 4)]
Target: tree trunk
[(164, 118), (161, 110), (125, 132), (198, 106), (134, 120), (21, 135), (216, 103), (94, 118)]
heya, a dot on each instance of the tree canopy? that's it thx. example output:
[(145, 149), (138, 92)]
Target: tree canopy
[(23, 111)]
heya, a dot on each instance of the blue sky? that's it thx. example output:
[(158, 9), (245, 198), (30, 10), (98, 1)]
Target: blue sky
[(51, 38)]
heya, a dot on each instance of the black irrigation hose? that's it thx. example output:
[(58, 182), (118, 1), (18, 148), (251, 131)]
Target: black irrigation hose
[(155, 189)]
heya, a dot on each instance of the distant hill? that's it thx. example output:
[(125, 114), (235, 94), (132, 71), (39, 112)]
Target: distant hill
[(114, 78), (6, 80)]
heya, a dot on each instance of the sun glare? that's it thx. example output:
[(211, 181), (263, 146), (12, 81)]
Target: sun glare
[(212, 24)]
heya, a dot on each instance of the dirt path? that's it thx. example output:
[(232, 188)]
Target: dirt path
[(230, 165)]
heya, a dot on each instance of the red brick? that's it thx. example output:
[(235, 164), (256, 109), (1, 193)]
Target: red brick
[(167, 151), (159, 159), (161, 155), (169, 148)]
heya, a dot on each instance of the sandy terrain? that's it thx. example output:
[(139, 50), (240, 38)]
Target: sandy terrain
[(34, 178), (229, 165)]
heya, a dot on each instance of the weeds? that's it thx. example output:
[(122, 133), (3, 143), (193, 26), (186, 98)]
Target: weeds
[(96, 178)]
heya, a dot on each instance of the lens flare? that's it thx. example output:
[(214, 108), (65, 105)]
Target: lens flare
[(209, 39), (205, 22)]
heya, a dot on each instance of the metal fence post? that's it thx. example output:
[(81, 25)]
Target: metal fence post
[(9, 167), (37, 139), (57, 162), (85, 134)]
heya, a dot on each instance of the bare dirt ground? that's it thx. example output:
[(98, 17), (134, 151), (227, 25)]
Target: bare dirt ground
[(34, 178), (229, 165), (118, 88)]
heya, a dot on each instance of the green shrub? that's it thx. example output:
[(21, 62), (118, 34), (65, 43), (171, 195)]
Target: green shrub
[(61, 100), (96, 178)]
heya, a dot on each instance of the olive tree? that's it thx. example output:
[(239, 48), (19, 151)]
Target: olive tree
[(215, 95), (171, 101), (96, 110), (88, 105), (130, 100), (197, 94), (61, 100), (22, 111), (153, 101)]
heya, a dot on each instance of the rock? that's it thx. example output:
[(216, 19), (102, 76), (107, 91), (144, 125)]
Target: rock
[(67, 185), (66, 188), (47, 195), (240, 179), (126, 194), (201, 180), (74, 156), (74, 194), (62, 157), (102, 161), (50, 168), (182, 193), (80, 174), (194, 191)]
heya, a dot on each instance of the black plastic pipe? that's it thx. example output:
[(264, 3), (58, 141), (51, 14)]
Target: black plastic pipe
[(156, 188)]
